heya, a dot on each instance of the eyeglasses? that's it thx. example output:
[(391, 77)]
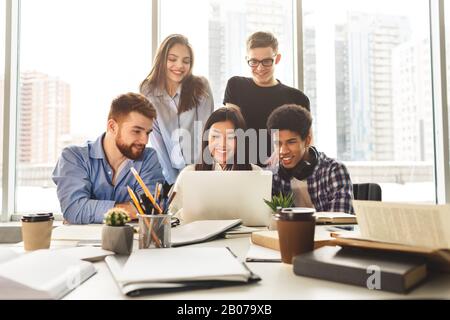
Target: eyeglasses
[(265, 62)]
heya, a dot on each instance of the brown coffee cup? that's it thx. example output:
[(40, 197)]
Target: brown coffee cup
[(296, 228), (37, 230)]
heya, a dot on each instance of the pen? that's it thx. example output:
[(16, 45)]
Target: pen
[(146, 191)]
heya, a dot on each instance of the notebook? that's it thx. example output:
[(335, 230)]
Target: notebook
[(200, 231), (41, 274), (151, 271), (370, 269)]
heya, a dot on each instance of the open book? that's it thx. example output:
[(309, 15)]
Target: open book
[(174, 269), (41, 274), (423, 225)]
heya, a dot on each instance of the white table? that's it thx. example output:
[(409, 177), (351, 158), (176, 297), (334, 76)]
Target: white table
[(278, 282)]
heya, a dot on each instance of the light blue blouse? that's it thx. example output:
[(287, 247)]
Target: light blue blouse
[(177, 137)]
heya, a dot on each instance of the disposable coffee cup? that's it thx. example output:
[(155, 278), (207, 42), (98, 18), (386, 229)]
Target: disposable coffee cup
[(295, 231), (37, 230)]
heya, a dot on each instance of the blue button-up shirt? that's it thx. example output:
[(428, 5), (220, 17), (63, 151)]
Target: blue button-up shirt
[(84, 181), (177, 137)]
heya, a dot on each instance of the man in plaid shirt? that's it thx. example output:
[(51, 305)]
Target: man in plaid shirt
[(314, 179)]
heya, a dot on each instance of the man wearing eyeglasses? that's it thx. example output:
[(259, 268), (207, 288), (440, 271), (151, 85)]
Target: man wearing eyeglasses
[(261, 94)]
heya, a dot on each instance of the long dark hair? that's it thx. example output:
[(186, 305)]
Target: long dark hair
[(194, 88), (234, 115)]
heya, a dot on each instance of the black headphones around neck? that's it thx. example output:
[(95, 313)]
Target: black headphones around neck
[(303, 169)]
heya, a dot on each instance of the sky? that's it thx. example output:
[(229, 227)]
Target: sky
[(101, 48)]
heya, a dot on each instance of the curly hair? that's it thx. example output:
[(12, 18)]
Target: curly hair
[(291, 117)]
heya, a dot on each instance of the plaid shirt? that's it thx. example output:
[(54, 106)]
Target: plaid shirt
[(329, 186)]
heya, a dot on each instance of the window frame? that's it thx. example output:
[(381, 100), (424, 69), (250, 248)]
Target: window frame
[(12, 26)]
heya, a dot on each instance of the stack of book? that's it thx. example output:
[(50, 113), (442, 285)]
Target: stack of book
[(396, 247)]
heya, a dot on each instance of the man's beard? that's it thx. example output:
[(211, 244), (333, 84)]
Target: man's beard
[(127, 150)]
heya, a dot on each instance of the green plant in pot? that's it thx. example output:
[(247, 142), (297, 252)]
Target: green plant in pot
[(279, 202), (117, 235)]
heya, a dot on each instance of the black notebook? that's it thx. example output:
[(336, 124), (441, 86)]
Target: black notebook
[(367, 268)]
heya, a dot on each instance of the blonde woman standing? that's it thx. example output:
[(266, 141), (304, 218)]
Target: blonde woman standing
[(183, 103)]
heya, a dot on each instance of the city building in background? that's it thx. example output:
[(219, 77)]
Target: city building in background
[(44, 118), (413, 119), (363, 84), (378, 88), (43, 126)]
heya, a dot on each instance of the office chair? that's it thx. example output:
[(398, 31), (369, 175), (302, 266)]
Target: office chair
[(367, 191)]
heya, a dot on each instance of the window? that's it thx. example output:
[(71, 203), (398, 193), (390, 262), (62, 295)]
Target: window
[(218, 31), (75, 58), (2, 87), (368, 75)]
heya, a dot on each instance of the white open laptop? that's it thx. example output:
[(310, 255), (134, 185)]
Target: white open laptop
[(220, 195)]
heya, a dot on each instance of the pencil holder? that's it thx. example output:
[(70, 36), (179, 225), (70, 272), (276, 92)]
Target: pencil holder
[(154, 231)]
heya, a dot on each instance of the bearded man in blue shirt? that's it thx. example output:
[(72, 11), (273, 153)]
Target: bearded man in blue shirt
[(93, 178)]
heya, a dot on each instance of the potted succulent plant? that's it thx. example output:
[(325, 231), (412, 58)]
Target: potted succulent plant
[(117, 235), (279, 202)]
